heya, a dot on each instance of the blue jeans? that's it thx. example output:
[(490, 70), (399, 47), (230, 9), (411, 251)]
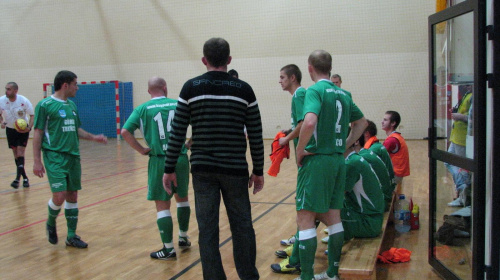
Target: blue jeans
[(458, 178), (208, 188)]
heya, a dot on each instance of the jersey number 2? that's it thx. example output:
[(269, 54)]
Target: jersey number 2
[(338, 126)]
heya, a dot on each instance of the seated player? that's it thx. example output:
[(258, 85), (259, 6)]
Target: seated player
[(364, 205), (363, 211), (380, 169), (373, 144)]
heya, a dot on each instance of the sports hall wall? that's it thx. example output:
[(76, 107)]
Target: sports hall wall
[(380, 48)]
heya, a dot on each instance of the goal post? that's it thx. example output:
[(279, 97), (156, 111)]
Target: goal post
[(103, 106)]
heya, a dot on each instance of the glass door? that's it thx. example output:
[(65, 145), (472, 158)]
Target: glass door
[(457, 141)]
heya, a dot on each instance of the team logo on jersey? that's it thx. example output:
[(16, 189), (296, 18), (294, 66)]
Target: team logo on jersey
[(62, 113), (20, 113)]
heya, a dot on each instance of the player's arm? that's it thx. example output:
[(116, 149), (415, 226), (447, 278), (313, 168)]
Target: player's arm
[(391, 145), (3, 124), (32, 121), (292, 135), (92, 137), (306, 132), (132, 141), (38, 168), (357, 129)]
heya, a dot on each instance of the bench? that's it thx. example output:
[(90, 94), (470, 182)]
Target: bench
[(359, 256)]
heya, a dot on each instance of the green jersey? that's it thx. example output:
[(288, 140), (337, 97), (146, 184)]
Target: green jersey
[(379, 149), (381, 170), (363, 192), (60, 122), (335, 110), (154, 119), (297, 107)]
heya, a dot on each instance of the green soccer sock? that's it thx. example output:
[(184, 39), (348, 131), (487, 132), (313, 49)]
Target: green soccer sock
[(295, 258), (307, 252), (183, 215), (335, 242), (54, 211), (71, 213), (165, 226)]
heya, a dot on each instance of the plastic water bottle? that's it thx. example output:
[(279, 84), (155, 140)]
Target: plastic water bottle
[(402, 214)]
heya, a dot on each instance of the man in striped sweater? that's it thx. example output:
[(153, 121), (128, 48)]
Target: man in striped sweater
[(218, 106)]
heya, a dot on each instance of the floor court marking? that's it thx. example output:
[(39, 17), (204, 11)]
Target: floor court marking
[(230, 238), (83, 207), (11, 191)]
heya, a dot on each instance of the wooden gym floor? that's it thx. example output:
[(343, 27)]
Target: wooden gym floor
[(120, 224)]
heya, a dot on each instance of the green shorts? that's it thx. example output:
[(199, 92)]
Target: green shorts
[(321, 183), (360, 225), (64, 171), (156, 169)]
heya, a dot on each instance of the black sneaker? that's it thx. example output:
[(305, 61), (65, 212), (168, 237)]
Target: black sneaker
[(26, 183), (163, 254), (52, 234), (15, 184), (184, 242), (76, 242)]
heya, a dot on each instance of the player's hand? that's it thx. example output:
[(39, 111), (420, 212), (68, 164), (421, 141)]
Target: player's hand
[(38, 169), (300, 156), (168, 180), (257, 182), (3, 125), (100, 139), (26, 130), (189, 143), (282, 141), (145, 151)]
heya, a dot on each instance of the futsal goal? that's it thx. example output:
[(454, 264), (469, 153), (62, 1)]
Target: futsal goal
[(103, 106)]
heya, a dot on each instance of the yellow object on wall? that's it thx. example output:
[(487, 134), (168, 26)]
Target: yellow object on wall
[(440, 5)]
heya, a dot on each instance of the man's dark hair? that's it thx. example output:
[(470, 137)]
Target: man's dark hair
[(336, 76), (14, 85), (216, 51), (292, 69), (395, 117), (63, 77), (371, 128), (233, 73), (361, 140)]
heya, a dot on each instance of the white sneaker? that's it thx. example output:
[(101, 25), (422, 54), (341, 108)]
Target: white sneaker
[(456, 203), (288, 242), (460, 233), (325, 276), (324, 240)]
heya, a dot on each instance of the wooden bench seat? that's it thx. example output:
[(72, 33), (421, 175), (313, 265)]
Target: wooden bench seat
[(359, 256)]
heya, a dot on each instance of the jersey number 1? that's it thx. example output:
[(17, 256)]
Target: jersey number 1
[(161, 129)]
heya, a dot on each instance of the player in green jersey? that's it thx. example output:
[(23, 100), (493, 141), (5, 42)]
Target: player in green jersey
[(321, 178), (290, 79), (364, 204), (380, 169), (57, 133), (154, 119), (373, 144)]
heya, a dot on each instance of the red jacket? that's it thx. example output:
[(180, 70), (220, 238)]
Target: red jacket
[(278, 154)]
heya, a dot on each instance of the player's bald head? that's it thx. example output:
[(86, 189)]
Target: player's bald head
[(321, 61), (156, 84)]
